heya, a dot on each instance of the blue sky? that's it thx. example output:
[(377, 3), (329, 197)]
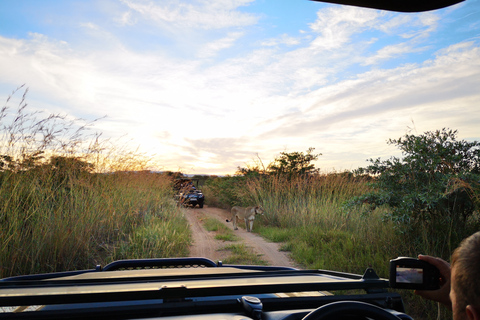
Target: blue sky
[(206, 86)]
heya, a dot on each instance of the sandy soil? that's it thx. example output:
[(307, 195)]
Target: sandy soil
[(204, 244)]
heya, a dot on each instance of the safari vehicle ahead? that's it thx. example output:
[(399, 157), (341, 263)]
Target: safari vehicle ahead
[(198, 288), (191, 197), (188, 193)]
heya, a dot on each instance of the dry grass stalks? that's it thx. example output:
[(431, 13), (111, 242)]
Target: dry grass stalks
[(66, 194)]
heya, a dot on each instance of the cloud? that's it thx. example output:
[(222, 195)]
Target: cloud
[(227, 94), (50, 65), (283, 39), (201, 155), (388, 52), (206, 15), (126, 19), (393, 95), (336, 25), (212, 48)]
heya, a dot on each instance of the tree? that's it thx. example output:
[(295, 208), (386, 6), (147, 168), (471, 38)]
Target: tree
[(256, 169), (294, 163), (436, 183), (249, 171)]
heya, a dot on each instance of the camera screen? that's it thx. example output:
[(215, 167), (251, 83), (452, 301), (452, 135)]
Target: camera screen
[(409, 275)]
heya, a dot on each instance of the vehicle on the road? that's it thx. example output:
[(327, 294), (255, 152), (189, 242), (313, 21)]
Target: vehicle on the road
[(198, 288), (188, 193), (191, 197)]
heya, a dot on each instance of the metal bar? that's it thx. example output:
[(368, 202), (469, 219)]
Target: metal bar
[(164, 262), (164, 290)]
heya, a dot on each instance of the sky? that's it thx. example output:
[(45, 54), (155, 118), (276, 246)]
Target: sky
[(207, 86)]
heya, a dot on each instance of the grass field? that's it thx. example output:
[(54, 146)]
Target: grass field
[(310, 219), (47, 228), (69, 201)]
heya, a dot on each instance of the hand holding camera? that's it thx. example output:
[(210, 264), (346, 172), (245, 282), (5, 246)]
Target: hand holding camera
[(428, 276), (410, 273)]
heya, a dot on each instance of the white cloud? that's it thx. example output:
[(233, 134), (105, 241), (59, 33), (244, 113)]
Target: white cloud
[(283, 39), (288, 92), (126, 19), (207, 15), (336, 25), (381, 104), (394, 23), (212, 48), (389, 52)]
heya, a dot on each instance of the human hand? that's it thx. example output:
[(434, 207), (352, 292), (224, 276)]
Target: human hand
[(441, 295)]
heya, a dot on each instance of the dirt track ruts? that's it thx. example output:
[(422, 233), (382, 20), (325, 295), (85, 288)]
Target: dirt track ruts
[(205, 245)]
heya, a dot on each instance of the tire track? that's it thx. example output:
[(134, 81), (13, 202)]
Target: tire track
[(206, 246)]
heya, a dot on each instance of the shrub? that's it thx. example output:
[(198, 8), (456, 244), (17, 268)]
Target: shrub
[(293, 164), (226, 192), (433, 190)]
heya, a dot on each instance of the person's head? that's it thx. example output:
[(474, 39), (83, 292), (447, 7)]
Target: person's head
[(465, 288)]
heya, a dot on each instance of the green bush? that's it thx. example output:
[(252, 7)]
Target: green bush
[(226, 192), (433, 190)]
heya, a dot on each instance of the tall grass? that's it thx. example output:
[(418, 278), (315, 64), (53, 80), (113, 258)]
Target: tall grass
[(70, 200), (309, 214), (321, 233), (305, 201), (310, 218), (161, 235)]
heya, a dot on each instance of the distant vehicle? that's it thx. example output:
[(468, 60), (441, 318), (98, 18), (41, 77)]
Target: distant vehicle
[(188, 193), (192, 197)]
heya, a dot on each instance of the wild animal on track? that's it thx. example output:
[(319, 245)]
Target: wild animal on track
[(248, 214)]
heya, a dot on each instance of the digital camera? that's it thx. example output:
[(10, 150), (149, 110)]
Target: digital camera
[(410, 273)]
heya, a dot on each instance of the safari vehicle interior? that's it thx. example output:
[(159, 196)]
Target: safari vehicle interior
[(198, 288)]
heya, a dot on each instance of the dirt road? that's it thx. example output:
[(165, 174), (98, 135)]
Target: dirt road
[(204, 244)]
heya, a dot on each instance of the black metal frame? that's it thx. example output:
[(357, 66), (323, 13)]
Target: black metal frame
[(390, 301), (397, 5), (125, 265), (160, 263), (368, 282), (167, 288)]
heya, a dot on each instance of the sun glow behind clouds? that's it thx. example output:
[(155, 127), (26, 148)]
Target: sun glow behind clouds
[(207, 85)]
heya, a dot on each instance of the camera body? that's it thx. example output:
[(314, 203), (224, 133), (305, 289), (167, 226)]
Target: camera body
[(410, 273)]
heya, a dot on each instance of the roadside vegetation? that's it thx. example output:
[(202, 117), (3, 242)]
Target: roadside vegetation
[(242, 254), (221, 231), (425, 202), (239, 252), (70, 200), (308, 215)]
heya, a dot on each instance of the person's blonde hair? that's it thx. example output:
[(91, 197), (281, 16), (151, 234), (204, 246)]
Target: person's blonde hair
[(466, 261)]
